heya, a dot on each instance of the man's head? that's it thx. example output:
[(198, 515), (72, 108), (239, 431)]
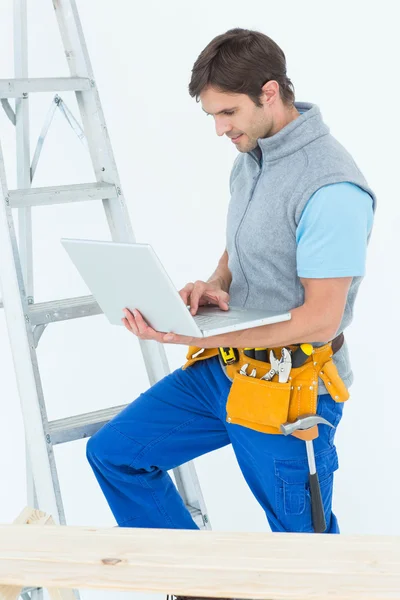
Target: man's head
[(240, 79)]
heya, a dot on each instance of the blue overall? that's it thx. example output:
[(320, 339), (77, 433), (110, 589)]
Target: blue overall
[(184, 416)]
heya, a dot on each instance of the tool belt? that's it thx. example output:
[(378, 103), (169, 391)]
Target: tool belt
[(265, 405)]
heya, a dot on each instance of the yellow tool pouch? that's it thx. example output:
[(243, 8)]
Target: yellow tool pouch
[(195, 354), (264, 405)]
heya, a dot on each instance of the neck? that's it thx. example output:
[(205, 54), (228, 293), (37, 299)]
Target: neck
[(282, 118)]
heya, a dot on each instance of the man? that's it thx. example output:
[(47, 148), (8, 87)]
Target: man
[(299, 221)]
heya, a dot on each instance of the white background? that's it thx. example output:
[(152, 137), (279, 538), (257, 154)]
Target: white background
[(174, 172)]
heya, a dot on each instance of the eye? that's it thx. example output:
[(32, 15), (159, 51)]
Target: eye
[(229, 112)]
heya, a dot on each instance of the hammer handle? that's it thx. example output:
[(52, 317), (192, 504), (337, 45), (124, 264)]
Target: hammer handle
[(317, 507)]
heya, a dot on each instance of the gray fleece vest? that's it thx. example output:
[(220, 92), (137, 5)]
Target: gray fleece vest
[(270, 187)]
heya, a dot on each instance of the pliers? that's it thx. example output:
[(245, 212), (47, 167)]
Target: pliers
[(281, 367)]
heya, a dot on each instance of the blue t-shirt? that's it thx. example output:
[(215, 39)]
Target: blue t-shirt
[(332, 232)]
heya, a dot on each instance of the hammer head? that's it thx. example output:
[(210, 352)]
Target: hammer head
[(304, 422)]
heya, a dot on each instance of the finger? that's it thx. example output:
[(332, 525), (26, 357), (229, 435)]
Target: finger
[(195, 296), (145, 332), (141, 324), (210, 298), (214, 299), (126, 324), (131, 320), (185, 292), (223, 301)]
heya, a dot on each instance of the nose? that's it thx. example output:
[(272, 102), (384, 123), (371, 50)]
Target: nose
[(222, 127)]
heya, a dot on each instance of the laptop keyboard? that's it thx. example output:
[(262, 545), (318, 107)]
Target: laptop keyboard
[(206, 322)]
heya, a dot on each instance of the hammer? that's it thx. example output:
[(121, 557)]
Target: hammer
[(306, 422)]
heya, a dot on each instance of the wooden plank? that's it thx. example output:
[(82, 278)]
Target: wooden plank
[(28, 515), (202, 563), (33, 516), (10, 592), (57, 594)]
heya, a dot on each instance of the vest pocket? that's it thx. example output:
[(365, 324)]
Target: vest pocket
[(254, 402)]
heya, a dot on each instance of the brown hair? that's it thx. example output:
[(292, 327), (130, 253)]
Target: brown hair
[(241, 61)]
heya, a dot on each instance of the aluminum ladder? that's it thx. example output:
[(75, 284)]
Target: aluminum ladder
[(27, 320)]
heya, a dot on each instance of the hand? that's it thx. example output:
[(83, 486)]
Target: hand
[(202, 293), (135, 323)]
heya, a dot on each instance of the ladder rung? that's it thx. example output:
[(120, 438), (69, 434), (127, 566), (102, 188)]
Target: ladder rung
[(77, 192), (63, 310), (81, 426), (15, 88)]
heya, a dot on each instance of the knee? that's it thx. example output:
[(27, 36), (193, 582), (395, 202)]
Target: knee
[(103, 446), (94, 448), (110, 449)]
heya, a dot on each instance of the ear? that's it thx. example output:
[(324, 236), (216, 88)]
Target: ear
[(270, 92)]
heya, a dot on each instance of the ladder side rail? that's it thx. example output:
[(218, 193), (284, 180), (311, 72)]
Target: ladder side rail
[(35, 593), (25, 362), (23, 144), (102, 155), (93, 118), (24, 214), (189, 488), (105, 168)]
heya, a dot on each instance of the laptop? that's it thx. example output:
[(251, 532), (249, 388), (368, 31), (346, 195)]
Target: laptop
[(126, 275)]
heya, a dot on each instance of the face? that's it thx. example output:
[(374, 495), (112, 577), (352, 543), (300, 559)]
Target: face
[(237, 117)]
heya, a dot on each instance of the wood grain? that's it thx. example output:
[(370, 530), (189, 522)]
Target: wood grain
[(33, 516), (202, 563)]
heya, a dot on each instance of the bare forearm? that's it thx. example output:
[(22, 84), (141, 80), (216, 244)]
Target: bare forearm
[(222, 273), (304, 326)]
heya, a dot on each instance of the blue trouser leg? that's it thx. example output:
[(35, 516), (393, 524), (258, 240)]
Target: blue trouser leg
[(168, 425), (184, 416), (276, 469)]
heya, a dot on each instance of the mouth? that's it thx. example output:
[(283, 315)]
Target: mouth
[(236, 139)]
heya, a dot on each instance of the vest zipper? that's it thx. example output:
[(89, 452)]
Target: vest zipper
[(240, 226)]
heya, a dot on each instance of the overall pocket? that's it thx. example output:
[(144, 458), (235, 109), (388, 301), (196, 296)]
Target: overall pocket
[(257, 403), (293, 503)]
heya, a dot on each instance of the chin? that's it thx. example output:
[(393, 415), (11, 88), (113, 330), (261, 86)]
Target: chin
[(245, 147)]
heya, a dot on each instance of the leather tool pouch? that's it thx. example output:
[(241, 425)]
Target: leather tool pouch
[(195, 354), (258, 404), (264, 405)]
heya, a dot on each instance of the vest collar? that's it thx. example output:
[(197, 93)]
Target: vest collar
[(298, 133)]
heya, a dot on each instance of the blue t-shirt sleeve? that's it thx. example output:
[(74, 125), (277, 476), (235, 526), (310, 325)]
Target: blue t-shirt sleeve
[(332, 232)]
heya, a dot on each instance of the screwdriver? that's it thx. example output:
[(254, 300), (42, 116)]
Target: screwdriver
[(257, 353), (300, 356), (261, 354)]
